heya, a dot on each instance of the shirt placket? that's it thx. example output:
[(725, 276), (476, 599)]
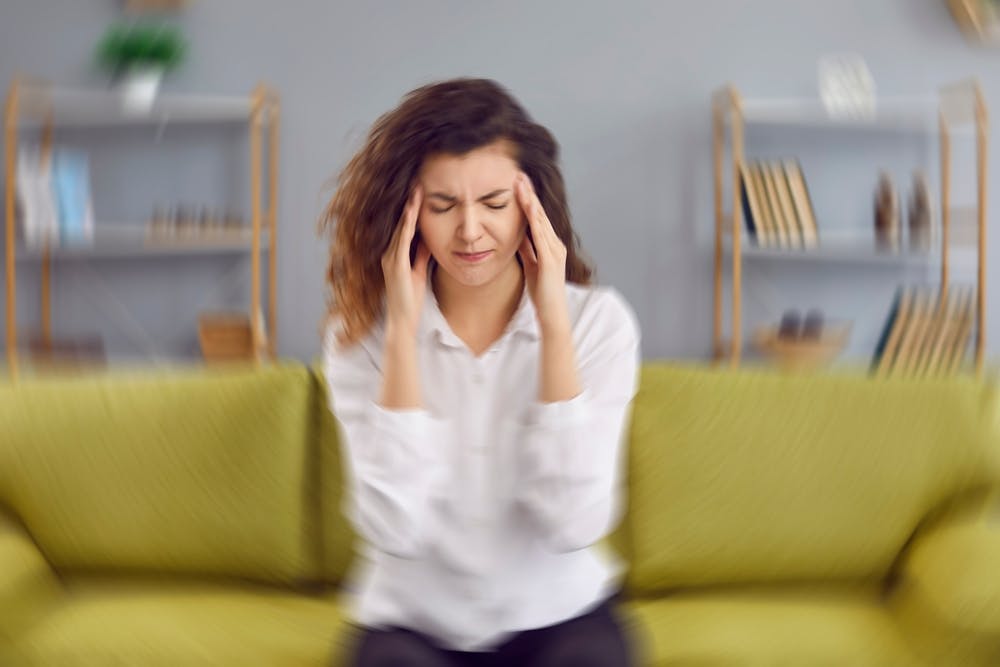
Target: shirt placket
[(480, 430)]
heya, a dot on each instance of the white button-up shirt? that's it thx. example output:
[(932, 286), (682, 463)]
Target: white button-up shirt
[(482, 510)]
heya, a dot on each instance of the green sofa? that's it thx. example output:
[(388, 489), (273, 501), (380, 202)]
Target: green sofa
[(193, 518)]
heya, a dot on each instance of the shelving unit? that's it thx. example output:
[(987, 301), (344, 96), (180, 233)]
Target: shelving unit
[(977, 21), (32, 104), (957, 109)]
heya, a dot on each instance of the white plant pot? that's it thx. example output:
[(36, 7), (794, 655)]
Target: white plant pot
[(139, 86)]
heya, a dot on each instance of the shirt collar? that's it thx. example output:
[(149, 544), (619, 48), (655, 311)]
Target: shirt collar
[(433, 322)]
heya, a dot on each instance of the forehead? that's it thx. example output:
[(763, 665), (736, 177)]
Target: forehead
[(488, 167)]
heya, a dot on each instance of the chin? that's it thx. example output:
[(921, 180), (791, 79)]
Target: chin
[(473, 276)]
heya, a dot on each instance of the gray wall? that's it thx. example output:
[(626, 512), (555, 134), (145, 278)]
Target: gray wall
[(624, 86)]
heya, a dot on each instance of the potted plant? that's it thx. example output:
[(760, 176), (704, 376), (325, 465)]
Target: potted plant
[(138, 56)]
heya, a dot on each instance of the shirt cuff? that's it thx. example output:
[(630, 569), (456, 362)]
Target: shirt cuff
[(405, 440), (559, 414)]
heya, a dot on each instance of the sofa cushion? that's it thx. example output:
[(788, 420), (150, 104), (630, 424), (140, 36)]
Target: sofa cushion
[(168, 623), (338, 538), (773, 627), (752, 476), (195, 471)]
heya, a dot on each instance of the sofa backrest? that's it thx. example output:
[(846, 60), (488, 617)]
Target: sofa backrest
[(339, 542), (193, 472), (753, 477)]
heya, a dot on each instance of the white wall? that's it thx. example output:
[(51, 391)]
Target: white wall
[(624, 86)]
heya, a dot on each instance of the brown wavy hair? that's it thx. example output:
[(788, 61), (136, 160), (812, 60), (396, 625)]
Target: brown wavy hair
[(451, 117)]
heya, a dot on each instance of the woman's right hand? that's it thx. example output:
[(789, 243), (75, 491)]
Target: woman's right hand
[(405, 284)]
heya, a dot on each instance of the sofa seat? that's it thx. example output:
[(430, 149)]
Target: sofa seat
[(750, 627), (105, 622)]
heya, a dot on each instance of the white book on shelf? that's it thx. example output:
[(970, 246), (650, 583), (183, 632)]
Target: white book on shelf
[(39, 216)]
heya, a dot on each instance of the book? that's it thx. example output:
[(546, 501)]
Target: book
[(949, 328), (960, 344), (802, 203), (751, 207), (895, 329), (923, 327), (778, 218), (890, 326), (71, 184), (912, 332), (767, 231), (936, 324), (785, 203), (35, 199)]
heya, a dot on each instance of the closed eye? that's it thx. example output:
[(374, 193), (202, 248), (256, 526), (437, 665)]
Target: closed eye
[(495, 207)]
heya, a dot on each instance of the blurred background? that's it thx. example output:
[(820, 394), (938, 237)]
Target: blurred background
[(625, 87)]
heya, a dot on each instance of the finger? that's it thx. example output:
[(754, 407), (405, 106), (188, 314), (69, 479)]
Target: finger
[(527, 250), (528, 204), (413, 208), (523, 194), (407, 228), (422, 260), (543, 231), (548, 231), (399, 230)]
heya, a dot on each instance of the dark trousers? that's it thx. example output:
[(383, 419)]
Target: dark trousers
[(595, 639)]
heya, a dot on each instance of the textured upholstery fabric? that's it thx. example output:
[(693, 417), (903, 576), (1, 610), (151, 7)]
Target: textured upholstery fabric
[(185, 472), (166, 623), (767, 627), (750, 477)]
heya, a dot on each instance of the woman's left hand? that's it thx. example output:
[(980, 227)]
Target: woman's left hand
[(543, 256)]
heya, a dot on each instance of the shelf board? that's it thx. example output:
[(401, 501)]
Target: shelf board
[(71, 107), (916, 114), (111, 249), (843, 252), (857, 246)]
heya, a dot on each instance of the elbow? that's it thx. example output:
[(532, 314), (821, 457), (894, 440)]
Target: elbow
[(581, 527), (398, 543), (390, 527)]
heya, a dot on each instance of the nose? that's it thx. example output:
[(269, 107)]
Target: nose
[(469, 228)]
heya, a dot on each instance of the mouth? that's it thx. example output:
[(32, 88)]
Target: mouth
[(473, 257)]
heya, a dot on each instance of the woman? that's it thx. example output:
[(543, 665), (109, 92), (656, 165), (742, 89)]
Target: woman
[(482, 388)]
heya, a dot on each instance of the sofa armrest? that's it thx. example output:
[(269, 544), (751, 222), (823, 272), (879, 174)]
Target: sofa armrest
[(27, 581), (948, 597)]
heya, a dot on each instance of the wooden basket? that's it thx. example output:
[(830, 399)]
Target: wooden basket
[(225, 337), (803, 354)]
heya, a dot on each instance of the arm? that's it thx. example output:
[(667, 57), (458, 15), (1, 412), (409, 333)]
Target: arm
[(27, 582), (949, 594), (573, 436), (394, 454)]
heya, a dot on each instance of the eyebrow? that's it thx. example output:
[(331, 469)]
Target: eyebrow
[(452, 199)]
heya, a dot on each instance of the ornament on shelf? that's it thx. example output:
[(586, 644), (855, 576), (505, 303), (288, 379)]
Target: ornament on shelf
[(920, 212), (886, 214), (846, 87)]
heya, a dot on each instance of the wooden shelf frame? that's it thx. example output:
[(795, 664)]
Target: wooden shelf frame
[(31, 102), (960, 107)]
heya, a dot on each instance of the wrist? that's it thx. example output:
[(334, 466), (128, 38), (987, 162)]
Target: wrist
[(399, 335), (555, 329)]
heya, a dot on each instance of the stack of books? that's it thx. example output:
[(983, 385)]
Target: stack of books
[(776, 205), (927, 332), (53, 197)]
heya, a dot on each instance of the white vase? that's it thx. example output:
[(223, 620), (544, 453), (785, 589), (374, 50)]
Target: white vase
[(139, 86)]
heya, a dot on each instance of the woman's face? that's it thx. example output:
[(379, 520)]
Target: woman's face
[(470, 219)]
